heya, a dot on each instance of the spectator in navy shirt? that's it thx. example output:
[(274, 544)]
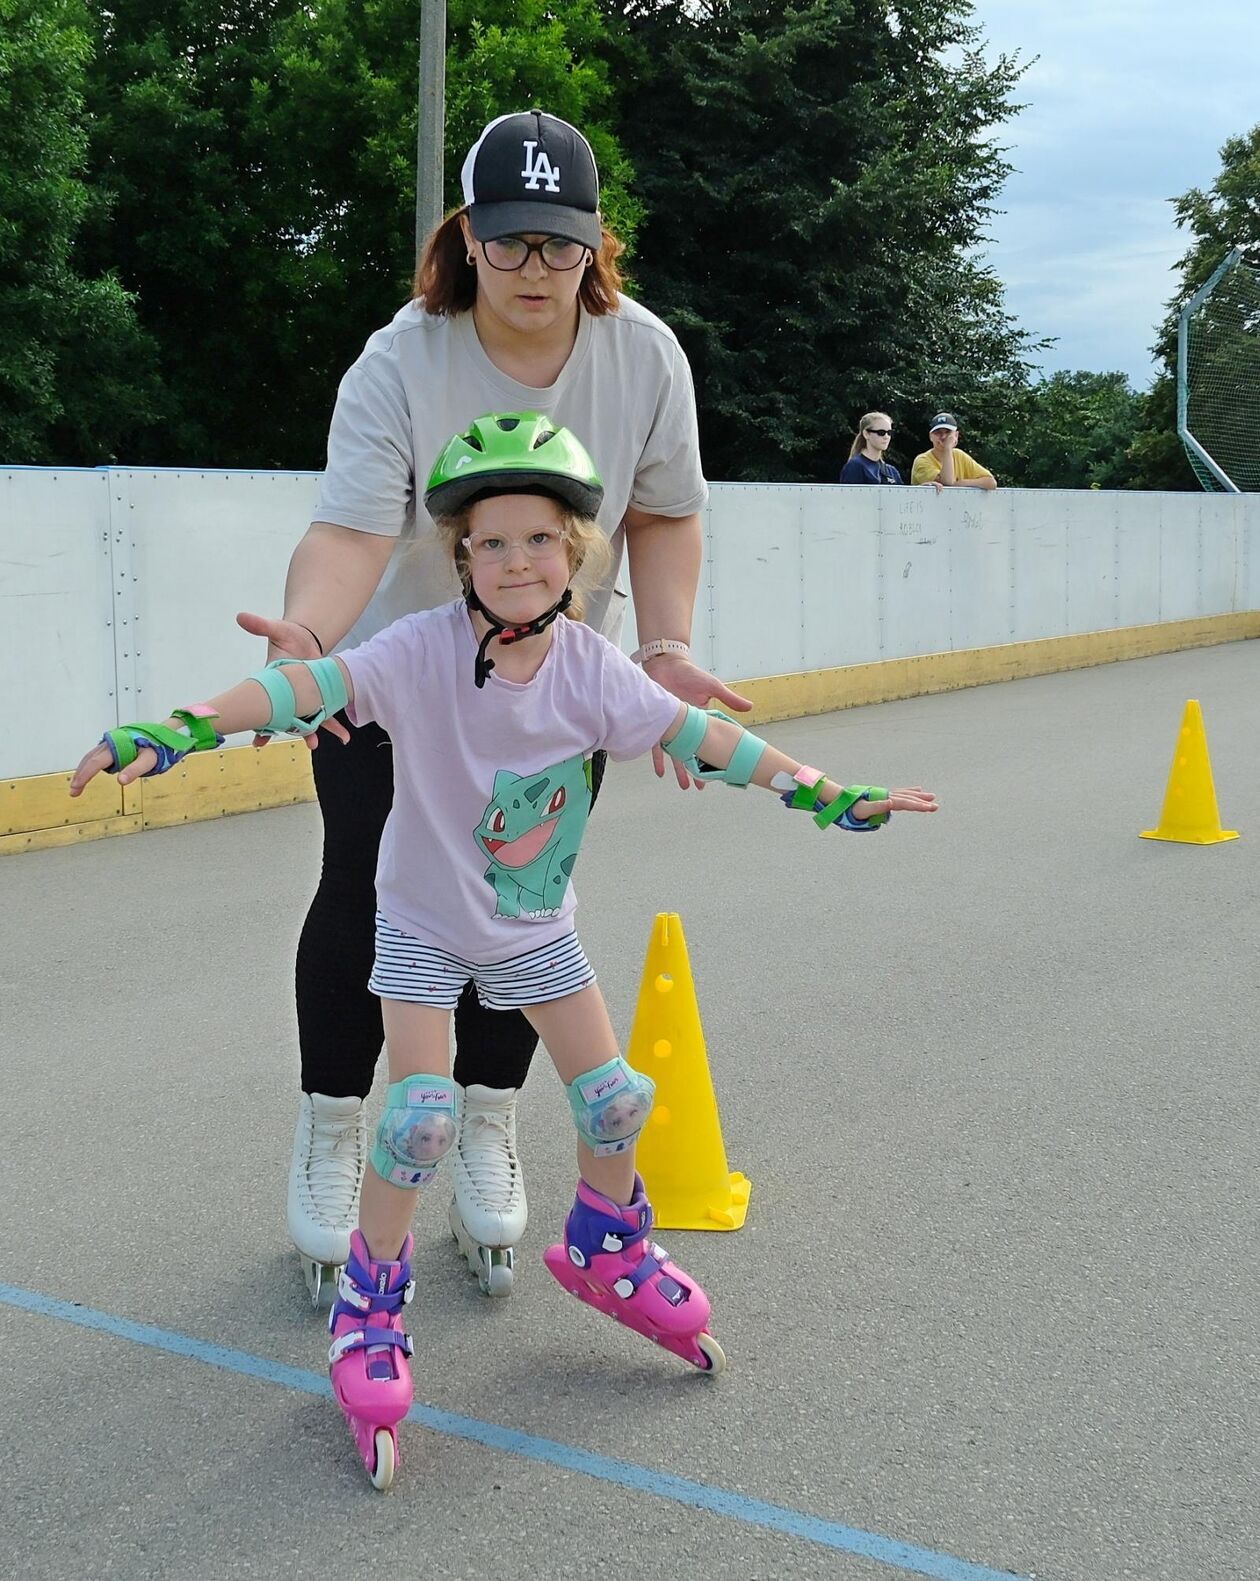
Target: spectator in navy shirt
[(866, 462)]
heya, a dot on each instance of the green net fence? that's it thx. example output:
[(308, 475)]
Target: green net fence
[(1218, 378)]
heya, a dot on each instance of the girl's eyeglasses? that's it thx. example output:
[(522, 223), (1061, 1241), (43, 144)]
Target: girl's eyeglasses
[(544, 543)]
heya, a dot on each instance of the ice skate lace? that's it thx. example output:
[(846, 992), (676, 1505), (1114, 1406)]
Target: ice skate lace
[(487, 1152), (334, 1169)]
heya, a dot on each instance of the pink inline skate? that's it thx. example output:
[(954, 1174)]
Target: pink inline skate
[(368, 1358), (608, 1261)]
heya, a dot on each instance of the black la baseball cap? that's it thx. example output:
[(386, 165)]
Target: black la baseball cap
[(943, 420), (532, 173)]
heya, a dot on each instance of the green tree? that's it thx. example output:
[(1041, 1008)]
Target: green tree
[(1070, 431), (258, 157), (1224, 217), (817, 175), (74, 368)]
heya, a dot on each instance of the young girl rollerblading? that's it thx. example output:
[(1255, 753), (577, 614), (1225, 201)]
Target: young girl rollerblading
[(495, 705)]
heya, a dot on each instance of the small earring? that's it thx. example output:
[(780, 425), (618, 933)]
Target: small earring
[(472, 258)]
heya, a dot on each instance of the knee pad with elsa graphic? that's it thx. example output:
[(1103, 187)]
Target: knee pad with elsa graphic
[(610, 1106), (418, 1128)]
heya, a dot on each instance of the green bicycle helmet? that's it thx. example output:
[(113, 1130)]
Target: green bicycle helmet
[(506, 451)]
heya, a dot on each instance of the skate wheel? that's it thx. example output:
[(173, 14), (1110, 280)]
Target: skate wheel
[(713, 1353), (383, 1472), (321, 1281), (495, 1273)]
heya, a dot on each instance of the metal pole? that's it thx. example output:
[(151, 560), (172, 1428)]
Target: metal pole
[(431, 127)]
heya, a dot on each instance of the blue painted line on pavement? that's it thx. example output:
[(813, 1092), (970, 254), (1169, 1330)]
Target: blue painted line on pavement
[(907, 1557)]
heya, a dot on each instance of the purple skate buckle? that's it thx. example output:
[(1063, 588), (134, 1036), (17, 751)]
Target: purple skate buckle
[(672, 1290)]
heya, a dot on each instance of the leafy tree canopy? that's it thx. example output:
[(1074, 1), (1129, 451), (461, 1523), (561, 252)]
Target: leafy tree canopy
[(72, 359), (255, 161), (816, 177)]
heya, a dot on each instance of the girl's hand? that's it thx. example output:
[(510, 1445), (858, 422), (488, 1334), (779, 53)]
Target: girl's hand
[(101, 758), (913, 799), (690, 684), (287, 640)]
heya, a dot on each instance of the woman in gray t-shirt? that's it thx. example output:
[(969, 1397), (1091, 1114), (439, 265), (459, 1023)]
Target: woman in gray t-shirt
[(516, 307)]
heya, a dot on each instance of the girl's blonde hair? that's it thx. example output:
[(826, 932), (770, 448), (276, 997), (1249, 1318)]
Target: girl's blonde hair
[(859, 439), (590, 553), (446, 283)]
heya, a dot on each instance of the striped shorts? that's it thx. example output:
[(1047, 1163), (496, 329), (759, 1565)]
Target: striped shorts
[(420, 974)]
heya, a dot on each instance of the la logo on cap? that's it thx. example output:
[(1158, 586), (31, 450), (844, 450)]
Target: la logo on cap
[(539, 169)]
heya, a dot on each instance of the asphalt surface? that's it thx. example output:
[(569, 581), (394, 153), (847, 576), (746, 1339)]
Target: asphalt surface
[(993, 1075)]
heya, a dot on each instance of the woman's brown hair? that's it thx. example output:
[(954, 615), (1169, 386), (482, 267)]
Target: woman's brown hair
[(447, 283), (589, 552)]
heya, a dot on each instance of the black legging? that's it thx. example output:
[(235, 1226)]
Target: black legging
[(339, 1020)]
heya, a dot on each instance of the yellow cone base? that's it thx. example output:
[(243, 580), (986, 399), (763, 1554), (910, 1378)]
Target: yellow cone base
[(680, 1152), (1190, 815), (1191, 839)]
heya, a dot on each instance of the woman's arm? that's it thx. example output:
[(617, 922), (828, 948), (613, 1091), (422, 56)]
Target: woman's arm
[(665, 554), (332, 576), (333, 573)]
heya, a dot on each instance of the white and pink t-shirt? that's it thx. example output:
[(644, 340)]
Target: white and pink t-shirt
[(490, 784)]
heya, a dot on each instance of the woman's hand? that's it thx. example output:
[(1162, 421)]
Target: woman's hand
[(688, 682), (287, 640)]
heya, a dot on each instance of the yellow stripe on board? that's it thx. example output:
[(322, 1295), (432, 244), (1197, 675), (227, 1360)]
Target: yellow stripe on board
[(36, 812), (855, 685)]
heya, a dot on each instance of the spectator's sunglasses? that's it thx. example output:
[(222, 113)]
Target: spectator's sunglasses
[(882, 432)]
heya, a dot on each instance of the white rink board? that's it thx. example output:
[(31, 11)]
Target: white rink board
[(119, 588)]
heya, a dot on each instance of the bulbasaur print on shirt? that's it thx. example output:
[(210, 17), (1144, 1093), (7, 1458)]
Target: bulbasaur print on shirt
[(531, 831)]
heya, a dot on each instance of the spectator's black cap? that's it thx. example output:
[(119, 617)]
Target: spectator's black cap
[(943, 420), (532, 173)]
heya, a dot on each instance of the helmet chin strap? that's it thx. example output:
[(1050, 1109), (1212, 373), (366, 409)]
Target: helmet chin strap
[(506, 633)]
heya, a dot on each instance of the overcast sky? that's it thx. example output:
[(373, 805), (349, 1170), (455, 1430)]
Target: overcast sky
[(1128, 106)]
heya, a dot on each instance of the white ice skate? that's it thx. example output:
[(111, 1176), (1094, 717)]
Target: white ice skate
[(488, 1212), (329, 1154)]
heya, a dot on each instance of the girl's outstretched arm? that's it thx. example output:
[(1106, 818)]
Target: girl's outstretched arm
[(723, 740), (247, 706)]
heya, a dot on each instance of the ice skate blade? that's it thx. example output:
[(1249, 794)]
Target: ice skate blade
[(321, 1281), (700, 1351), (493, 1265)]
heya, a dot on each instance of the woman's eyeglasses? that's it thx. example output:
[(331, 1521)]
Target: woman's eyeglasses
[(882, 432), (512, 252)]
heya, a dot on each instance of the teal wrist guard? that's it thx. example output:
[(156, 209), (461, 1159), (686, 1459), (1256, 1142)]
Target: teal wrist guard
[(285, 720), (686, 744)]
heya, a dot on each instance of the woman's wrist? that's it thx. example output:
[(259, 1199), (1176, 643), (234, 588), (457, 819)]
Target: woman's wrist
[(660, 648), (309, 633)]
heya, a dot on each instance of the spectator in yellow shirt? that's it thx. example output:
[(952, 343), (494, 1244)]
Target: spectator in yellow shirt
[(946, 465)]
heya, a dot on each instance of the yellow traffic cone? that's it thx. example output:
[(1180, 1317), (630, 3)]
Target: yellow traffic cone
[(680, 1152), (1190, 814)]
